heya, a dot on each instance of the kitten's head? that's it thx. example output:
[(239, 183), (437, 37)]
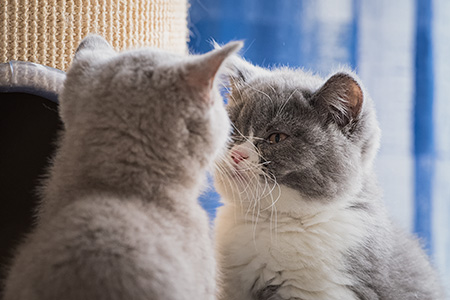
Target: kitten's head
[(146, 105), (312, 139)]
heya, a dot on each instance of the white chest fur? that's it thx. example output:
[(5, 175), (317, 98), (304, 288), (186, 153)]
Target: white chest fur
[(302, 256)]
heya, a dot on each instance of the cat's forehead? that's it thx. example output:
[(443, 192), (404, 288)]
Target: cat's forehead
[(283, 80), (278, 96), (278, 87)]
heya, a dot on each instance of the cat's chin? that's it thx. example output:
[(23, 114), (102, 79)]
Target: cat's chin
[(241, 176), (230, 185), (230, 175), (278, 198)]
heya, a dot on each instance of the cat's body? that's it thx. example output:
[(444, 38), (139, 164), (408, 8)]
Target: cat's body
[(119, 217), (303, 216)]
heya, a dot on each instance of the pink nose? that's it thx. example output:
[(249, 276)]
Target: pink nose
[(238, 156)]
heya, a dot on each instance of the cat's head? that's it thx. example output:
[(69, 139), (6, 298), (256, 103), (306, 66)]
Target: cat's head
[(311, 139), (147, 103)]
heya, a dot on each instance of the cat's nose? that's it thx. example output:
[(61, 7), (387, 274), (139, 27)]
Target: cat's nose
[(238, 155)]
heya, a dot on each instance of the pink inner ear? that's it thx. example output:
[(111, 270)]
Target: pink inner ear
[(342, 97), (354, 97), (349, 89)]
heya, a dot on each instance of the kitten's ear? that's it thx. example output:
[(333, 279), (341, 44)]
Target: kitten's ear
[(341, 98), (240, 71), (93, 43), (201, 72)]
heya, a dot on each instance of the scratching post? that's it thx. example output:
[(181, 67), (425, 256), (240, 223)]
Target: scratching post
[(47, 32)]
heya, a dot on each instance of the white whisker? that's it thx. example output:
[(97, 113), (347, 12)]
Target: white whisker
[(280, 110), (249, 185), (259, 91)]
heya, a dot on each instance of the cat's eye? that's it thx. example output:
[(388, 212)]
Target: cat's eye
[(277, 137)]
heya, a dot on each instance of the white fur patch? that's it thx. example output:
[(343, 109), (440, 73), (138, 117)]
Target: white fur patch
[(302, 252)]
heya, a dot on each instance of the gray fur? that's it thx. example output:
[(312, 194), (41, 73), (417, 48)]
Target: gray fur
[(119, 217), (327, 158)]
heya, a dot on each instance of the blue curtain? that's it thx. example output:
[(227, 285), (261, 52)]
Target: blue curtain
[(400, 49)]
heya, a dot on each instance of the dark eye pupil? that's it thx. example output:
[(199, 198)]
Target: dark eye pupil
[(277, 138)]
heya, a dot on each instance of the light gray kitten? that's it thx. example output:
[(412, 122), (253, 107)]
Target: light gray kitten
[(119, 217), (303, 216)]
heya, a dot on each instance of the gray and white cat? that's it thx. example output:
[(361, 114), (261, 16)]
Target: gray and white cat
[(119, 218), (303, 216)]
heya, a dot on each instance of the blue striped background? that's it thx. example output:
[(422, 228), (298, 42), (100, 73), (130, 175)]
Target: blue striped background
[(424, 153)]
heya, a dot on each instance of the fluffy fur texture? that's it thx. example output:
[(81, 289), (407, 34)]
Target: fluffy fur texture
[(119, 217), (303, 216)]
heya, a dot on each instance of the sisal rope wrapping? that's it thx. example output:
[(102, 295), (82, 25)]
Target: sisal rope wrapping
[(47, 32)]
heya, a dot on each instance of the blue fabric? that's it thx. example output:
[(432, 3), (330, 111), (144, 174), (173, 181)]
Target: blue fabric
[(424, 152), (275, 32), (400, 49)]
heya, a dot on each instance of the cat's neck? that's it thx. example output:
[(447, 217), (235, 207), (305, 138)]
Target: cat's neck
[(289, 203), (87, 165)]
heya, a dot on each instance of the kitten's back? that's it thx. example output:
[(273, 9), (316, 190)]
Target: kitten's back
[(106, 248)]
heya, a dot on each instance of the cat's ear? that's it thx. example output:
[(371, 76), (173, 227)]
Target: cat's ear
[(240, 71), (340, 98), (202, 70), (93, 44)]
